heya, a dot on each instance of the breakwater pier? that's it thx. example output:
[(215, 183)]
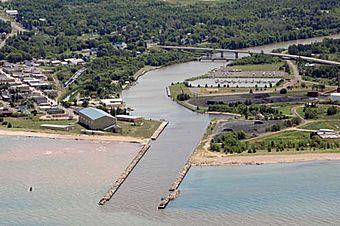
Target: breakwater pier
[(115, 186), (173, 190), (159, 130)]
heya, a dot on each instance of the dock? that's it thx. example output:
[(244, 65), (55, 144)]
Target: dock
[(115, 186), (160, 129), (168, 91)]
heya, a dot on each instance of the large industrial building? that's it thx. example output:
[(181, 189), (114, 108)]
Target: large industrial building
[(96, 119)]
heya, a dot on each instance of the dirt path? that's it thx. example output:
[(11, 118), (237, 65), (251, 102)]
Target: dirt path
[(16, 27)]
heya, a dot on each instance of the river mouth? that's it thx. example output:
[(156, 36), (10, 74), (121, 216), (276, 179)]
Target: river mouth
[(136, 201)]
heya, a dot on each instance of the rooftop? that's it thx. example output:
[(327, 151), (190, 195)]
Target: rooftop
[(94, 113)]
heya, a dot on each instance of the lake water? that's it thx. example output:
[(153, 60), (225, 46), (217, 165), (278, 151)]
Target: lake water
[(69, 177), (280, 194)]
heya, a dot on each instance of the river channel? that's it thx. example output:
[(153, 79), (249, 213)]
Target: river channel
[(136, 201)]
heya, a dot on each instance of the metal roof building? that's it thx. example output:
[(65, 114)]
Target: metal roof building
[(96, 119)]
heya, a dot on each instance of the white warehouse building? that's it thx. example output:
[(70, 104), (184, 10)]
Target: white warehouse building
[(335, 97)]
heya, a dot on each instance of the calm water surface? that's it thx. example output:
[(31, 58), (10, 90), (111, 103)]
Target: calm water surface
[(69, 177)]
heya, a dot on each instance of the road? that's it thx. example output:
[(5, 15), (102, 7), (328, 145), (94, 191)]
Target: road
[(15, 29), (74, 77), (281, 55)]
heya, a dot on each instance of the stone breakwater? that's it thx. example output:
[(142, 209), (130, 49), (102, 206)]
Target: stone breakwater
[(115, 186)]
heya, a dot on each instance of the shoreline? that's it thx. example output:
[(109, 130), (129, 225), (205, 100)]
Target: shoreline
[(74, 136), (208, 159)]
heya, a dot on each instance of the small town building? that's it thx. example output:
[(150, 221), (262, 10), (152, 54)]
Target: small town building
[(55, 111), (312, 93), (335, 96), (114, 102), (11, 12), (328, 134), (96, 119), (5, 112), (57, 127), (129, 118)]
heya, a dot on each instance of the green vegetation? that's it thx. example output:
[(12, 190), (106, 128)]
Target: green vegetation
[(145, 129), (5, 27), (227, 24), (229, 143), (319, 112), (321, 124), (294, 141), (276, 66), (256, 59), (328, 49), (34, 123), (247, 109), (177, 89)]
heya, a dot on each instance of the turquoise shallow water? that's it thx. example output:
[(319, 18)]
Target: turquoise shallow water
[(298, 193)]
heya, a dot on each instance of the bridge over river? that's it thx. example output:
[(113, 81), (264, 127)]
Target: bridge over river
[(211, 51)]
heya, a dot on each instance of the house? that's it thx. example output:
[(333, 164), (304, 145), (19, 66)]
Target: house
[(312, 94), (335, 96), (57, 127), (5, 112), (96, 119), (55, 111), (328, 134), (12, 12), (115, 102)]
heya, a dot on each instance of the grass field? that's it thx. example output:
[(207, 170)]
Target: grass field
[(259, 67), (329, 124), (33, 124), (145, 130), (177, 89), (293, 136), (285, 108), (322, 113)]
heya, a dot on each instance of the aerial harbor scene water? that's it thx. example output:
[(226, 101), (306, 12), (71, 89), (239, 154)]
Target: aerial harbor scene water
[(113, 123)]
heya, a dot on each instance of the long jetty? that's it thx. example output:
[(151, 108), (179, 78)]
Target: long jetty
[(159, 130), (173, 190), (115, 186)]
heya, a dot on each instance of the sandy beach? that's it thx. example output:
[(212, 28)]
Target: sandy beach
[(74, 136), (218, 159)]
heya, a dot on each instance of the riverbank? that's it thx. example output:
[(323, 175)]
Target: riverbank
[(74, 136)]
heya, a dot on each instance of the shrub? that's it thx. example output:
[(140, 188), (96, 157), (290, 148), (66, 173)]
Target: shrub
[(283, 91)]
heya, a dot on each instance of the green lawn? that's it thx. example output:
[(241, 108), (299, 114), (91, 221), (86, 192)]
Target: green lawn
[(33, 124), (146, 129), (322, 113), (259, 67), (329, 124), (285, 108), (293, 136), (177, 89)]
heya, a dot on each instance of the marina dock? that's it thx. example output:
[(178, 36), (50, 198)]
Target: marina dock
[(115, 186), (159, 130)]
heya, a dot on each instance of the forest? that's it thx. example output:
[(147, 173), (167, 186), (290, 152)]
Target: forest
[(60, 29)]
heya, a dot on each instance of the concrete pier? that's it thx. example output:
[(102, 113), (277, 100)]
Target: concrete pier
[(115, 186), (160, 129)]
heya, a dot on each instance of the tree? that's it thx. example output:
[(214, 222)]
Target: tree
[(332, 110), (283, 91)]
